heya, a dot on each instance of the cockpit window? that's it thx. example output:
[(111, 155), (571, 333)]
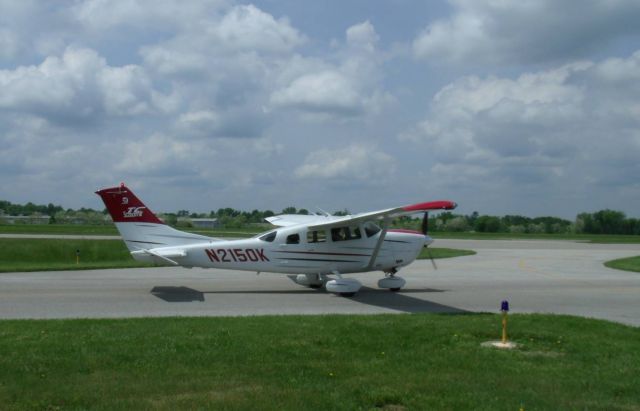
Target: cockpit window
[(345, 233), (269, 237), (293, 239), (371, 228)]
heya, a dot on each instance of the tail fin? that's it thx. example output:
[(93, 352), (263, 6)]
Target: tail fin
[(138, 226), (125, 207)]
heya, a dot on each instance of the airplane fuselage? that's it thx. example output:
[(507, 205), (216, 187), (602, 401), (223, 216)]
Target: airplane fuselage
[(282, 255)]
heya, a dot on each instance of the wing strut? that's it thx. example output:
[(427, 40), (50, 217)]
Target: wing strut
[(383, 234)]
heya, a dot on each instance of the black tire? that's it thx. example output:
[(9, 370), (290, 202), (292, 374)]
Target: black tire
[(394, 289), (347, 294), (315, 286)]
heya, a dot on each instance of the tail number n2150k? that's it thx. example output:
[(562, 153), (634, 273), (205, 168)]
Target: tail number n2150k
[(236, 255)]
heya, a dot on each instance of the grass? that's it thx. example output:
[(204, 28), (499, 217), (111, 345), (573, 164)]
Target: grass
[(48, 254), (392, 362), (62, 229), (627, 264), (79, 229), (590, 238), (73, 229), (443, 253)]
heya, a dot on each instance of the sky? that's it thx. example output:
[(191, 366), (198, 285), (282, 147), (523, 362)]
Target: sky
[(527, 107)]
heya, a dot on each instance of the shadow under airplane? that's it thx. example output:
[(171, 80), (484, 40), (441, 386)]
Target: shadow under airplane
[(404, 300)]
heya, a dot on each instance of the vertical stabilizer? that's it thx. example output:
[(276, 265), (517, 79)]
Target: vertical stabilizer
[(125, 207), (138, 226)]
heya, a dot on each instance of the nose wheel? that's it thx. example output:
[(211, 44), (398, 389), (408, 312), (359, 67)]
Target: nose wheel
[(391, 281)]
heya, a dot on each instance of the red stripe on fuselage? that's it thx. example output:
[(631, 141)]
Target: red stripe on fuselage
[(404, 231)]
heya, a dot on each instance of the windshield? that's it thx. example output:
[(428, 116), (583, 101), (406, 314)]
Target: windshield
[(371, 228)]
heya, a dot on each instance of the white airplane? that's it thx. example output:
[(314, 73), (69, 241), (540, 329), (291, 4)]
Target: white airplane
[(307, 247)]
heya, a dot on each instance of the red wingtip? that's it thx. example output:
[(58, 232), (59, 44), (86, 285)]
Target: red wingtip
[(125, 207), (431, 205)]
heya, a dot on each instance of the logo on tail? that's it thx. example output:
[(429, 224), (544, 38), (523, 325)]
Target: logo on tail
[(133, 212)]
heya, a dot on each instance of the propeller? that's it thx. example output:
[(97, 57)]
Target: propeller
[(425, 231), (433, 261), (425, 223)]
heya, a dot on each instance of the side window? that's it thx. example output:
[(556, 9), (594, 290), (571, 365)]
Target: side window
[(345, 233), (269, 237), (293, 239), (337, 234), (316, 236)]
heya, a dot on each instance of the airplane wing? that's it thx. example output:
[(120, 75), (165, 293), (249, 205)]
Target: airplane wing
[(285, 220), (384, 214)]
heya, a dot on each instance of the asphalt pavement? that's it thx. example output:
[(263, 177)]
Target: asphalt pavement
[(560, 277)]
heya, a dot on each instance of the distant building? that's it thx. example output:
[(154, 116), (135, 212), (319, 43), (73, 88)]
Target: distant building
[(205, 223), (24, 219)]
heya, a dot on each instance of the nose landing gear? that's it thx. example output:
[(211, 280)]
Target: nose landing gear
[(391, 281)]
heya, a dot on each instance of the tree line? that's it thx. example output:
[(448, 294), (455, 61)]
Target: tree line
[(600, 222)]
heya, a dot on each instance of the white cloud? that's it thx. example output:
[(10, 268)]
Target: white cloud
[(350, 88), (199, 123), (79, 84), (324, 91), (239, 40), (161, 154), (540, 128), (363, 35), (358, 162), (488, 31), (249, 28), (143, 14)]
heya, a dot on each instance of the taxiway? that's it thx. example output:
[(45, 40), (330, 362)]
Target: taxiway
[(535, 276)]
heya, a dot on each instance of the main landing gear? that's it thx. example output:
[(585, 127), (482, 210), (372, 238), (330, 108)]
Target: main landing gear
[(346, 287)]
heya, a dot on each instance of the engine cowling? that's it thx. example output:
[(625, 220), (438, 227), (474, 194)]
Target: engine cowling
[(343, 286)]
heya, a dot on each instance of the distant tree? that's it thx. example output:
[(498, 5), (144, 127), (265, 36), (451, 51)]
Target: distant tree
[(487, 224), (303, 211), (471, 219), (610, 221), (457, 224), (289, 210), (605, 222)]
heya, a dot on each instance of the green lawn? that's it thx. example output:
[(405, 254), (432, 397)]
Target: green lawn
[(434, 252), (627, 264), (68, 229), (45, 254), (591, 238), (392, 362), (78, 229), (248, 232)]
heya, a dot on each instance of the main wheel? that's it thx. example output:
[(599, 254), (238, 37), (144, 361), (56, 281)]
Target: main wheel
[(394, 289)]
